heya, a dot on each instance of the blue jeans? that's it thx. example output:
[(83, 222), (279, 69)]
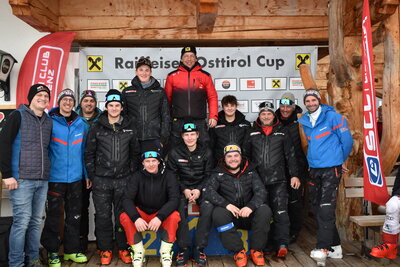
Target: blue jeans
[(28, 203)]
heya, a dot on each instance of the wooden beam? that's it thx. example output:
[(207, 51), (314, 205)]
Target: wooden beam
[(390, 145), (379, 11), (336, 41), (206, 15), (40, 14)]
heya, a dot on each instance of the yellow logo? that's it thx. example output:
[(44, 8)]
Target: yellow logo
[(187, 49), (94, 63), (302, 59), (123, 85), (276, 83)]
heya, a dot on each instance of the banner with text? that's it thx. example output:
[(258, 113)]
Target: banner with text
[(374, 179), (252, 74), (45, 63)]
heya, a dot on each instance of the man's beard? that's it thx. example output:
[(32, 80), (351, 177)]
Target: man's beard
[(232, 168)]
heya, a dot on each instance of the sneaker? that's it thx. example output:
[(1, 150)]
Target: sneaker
[(200, 257), (319, 255), (53, 259), (125, 256), (385, 250), (75, 257), (282, 251), (240, 258), (337, 252), (166, 254), (182, 258), (105, 257), (257, 257)]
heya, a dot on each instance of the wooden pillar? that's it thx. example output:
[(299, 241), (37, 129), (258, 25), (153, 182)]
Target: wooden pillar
[(390, 146)]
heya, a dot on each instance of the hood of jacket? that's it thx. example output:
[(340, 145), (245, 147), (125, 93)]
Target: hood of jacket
[(239, 118)]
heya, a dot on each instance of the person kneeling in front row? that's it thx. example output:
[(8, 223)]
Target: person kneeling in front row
[(239, 196), (150, 203)]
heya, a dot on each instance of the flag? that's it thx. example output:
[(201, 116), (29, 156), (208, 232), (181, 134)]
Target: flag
[(45, 63), (374, 179)]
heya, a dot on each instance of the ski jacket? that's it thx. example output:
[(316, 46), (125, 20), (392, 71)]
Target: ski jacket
[(67, 147), (292, 126), (244, 189), (112, 150), (189, 91), (151, 193), (191, 168), (271, 153), (329, 141), (228, 132), (148, 108)]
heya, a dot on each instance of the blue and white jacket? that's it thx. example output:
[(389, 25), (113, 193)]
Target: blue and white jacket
[(67, 148), (329, 141)]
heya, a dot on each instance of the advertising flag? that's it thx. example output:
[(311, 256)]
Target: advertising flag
[(374, 179), (45, 63)]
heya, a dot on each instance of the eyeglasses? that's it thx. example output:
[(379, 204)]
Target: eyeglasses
[(150, 154), (286, 101), (189, 126), (231, 148), (113, 98)]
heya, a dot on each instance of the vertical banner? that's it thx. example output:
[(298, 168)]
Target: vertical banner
[(45, 63), (374, 179)]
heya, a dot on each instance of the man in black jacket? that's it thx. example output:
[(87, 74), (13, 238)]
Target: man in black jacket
[(150, 202), (192, 162), (268, 145), (239, 196), (287, 115), (146, 103), (231, 127), (111, 156)]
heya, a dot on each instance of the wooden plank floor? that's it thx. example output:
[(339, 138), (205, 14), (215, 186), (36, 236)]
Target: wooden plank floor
[(298, 256)]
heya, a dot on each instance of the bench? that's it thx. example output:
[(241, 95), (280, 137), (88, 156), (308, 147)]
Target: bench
[(354, 188)]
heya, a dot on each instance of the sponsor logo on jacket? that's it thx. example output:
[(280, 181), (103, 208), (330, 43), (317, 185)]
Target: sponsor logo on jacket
[(183, 160)]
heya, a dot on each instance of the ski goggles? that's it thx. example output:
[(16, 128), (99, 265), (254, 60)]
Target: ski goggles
[(286, 101), (113, 98), (232, 148), (189, 127), (150, 154)]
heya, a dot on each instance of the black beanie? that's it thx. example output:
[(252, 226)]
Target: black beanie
[(113, 95), (187, 49), (149, 150), (36, 88)]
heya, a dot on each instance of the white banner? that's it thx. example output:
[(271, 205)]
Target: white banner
[(252, 74)]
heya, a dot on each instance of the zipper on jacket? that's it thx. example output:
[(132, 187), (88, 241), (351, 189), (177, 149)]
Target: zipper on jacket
[(239, 192), (189, 88), (41, 143)]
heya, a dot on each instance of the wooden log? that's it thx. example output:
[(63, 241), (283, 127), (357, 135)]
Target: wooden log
[(390, 143), (336, 49)]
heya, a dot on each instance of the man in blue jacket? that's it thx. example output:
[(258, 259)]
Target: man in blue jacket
[(329, 144), (66, 153)]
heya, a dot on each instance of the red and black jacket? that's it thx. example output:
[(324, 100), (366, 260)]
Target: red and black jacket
[(189, 91)]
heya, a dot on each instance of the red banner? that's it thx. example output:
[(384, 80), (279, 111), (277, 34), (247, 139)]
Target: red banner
[(374, 179), (45, 63)]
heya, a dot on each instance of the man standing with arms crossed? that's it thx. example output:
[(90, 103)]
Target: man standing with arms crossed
[(25, 168), (329, 144), (189, 89)]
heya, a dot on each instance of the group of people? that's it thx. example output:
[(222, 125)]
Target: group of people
[(154, 151)]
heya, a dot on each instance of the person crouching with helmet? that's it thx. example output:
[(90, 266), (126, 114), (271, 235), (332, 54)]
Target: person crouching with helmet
[(150, 203)]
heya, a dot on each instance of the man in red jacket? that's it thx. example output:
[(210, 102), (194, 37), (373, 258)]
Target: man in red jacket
[(189, 89)]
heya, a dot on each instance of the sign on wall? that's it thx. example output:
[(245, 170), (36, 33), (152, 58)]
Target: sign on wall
[(252, 74)]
